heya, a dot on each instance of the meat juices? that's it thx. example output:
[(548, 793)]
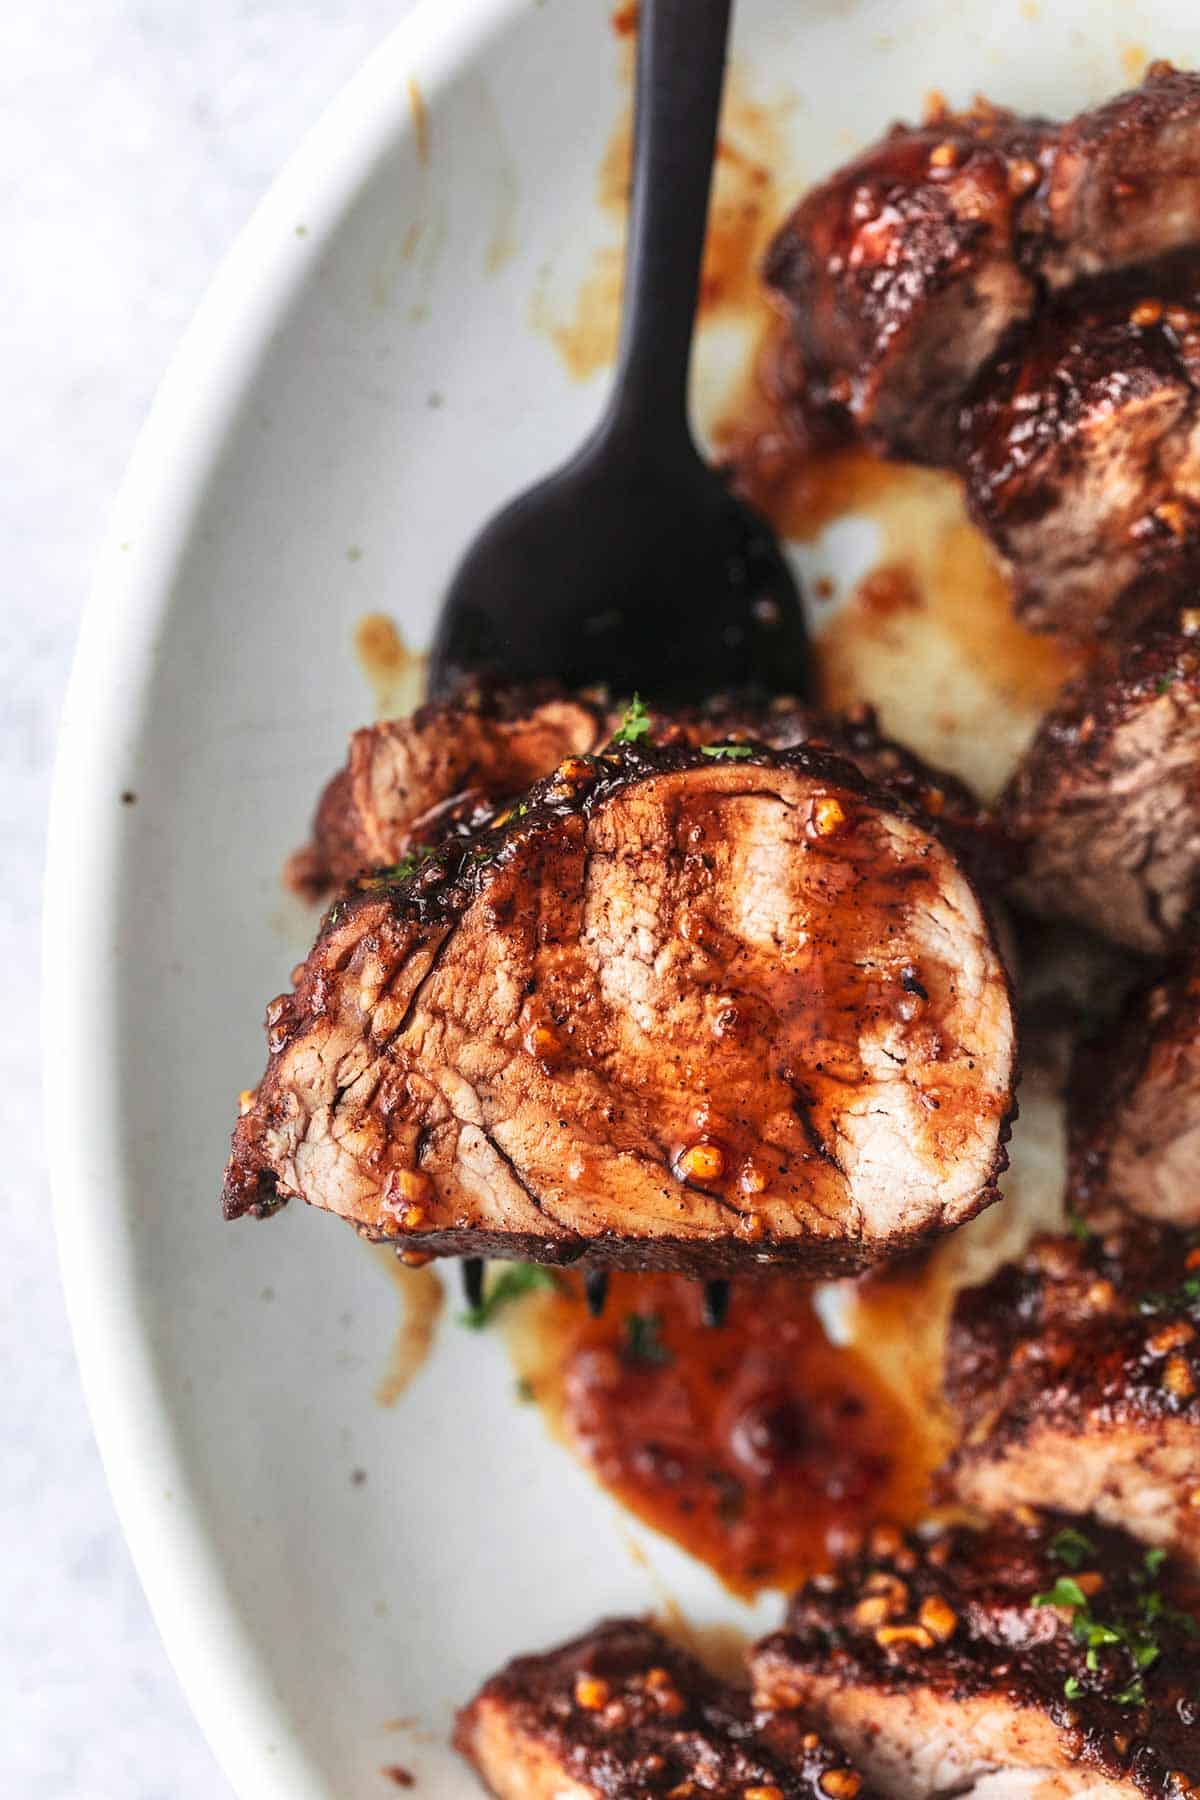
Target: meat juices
[(963, 1664), (1074, 1374), (621, 1714), (1104, 808), (676, 1010), (1080, 450), (1135, 1106), (899, 275)]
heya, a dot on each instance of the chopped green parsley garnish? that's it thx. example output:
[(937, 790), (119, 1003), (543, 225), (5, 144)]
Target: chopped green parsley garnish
[(1065, 1592), (513, 1281), (1133, 1631), (1078, 1226), (408, 864), (1072, 1547), (643, 1340), (727, 752), (1180, 1299), (634, 724)]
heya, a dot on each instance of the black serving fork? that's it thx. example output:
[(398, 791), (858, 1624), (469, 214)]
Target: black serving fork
[(633, 564)]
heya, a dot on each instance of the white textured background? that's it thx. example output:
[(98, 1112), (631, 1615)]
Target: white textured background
[(135, 138)]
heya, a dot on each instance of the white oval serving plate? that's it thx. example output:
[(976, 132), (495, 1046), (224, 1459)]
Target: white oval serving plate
[(366, 380)]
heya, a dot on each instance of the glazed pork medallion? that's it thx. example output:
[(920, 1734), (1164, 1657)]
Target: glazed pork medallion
[(1135, 1106), (1104, 808), (1074, 1374), (701, 1008), (622, 1714), (901, 275), (1033, 1658), (448, 769)]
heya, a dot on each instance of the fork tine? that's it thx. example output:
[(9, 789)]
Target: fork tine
[(716, 1303), (595, 1288), (472, 1280)]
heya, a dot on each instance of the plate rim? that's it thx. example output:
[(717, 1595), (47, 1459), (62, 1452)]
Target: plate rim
[(93, 1186)]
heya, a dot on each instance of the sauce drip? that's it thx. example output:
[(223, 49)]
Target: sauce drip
[(421, 1297), (396, 673), (760, 1447)]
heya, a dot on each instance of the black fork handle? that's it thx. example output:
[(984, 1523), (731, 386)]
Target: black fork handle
[(680, 74)]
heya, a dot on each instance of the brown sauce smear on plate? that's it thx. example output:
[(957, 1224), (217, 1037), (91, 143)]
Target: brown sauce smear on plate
[(760, 1447), (934, 598)]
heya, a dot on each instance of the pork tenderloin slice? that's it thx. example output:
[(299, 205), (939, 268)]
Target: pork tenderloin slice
[(899, 275), (1104, 808), (621, 1714), (1074, 1375), (937, 1666), (679, 1009), (406, 780), (1135, 1106), (1080, 450), (1123, 181), (452, 767)]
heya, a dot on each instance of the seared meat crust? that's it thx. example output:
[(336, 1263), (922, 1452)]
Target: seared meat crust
[(1080, 449), (406, 782), (1104, 809), (622, 1714), (1135, 1106), (899, 276), (1123, 185), (935, 1666), (450, 768), (679, 1009), (1075, 1376)]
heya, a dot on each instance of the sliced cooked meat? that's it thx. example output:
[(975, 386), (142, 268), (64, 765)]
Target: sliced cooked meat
[(1135, 1106), (1075, 1376), (621, 1714), (1104, 808), (406, 780), (1080, 447), (1123, 185), (681, 1008), (450, 767), (1030, 1659), (899, 275)]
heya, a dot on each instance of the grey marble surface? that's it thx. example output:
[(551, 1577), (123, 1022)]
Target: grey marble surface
[(136, 137)]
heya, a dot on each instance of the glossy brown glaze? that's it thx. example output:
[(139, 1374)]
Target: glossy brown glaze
[(758, 1447), (900, 275), (1080, 449), (1075, 1377), (1135, 1106), (934, 1662), (1122, 185), (621, 1714), (682, 1008), (448, 769), (1105, 806), (408, 781)]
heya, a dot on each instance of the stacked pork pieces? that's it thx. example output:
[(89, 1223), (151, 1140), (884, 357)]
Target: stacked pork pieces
[(712, 989)]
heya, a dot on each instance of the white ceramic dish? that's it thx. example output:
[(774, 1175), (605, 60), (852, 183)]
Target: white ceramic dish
[(364, 383)]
